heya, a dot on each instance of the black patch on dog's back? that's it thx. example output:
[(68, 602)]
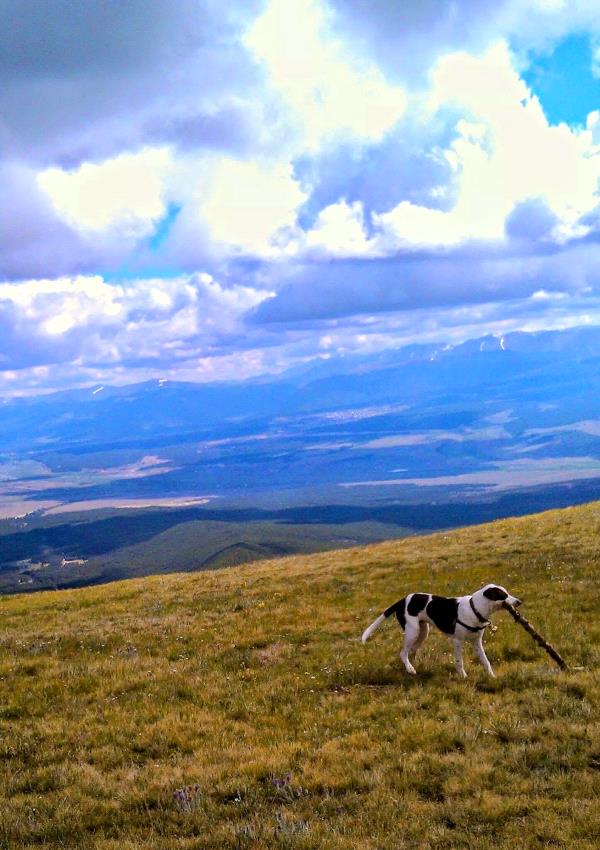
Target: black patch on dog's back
[(400, 612), (495, 594), (443, 611), (418, 601), (398, 609)]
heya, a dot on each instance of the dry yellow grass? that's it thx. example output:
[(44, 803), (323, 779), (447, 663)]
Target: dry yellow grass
[(249, 693)]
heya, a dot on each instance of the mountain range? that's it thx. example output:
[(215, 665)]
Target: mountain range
[(417, 438)]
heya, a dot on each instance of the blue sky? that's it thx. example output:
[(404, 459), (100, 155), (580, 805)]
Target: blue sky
[(209, 191), (565, 80)]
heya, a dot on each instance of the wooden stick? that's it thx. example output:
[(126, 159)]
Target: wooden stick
[(520, 619)]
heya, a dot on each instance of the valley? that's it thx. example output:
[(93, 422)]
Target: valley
[(407, 441)]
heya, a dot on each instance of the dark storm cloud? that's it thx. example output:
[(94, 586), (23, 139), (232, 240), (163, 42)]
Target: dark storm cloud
[(83, 80), (233, 129), (405, 38), (36, 243), (350, 287), (403, 166), (32, 239), (531, 220), (86, 81)]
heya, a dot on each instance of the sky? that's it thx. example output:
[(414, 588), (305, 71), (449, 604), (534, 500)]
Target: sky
[(197, 190)]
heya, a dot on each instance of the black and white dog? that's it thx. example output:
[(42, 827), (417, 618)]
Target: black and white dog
[(460, 617)]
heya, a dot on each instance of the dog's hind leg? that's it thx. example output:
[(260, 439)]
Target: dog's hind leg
[(422, 637), (411, 638), (483, 657)]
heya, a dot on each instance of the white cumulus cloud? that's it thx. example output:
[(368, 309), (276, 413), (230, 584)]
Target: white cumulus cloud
[(505, 152), (248, 203), (125, 192), (328, 92)]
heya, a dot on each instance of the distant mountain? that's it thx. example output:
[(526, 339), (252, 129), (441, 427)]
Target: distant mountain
[(341, 451), (416, 423), (162, 408)]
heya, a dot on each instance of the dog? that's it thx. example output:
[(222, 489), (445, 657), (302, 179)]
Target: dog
[(462, 618)]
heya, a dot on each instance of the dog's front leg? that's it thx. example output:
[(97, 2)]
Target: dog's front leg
[(483, 657), (458, 658)]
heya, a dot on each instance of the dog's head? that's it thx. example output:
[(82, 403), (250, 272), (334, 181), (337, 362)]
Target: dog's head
[(493, 596)]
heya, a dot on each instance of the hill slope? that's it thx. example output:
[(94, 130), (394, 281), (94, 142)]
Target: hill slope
[(252, 685)]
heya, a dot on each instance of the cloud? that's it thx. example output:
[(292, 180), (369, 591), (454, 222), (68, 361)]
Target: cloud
[(339, 231), (57, 222), (524, 196), (85, 330), (526, 156), (504, 153), (531, 220), (373, 286), (125, 192), (406, 39), (327, 90), (409, 163), (247, 203), (185, 182), (34, 240), (84, 81), (86, 319)]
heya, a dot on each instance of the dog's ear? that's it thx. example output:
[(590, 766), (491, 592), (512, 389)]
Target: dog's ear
[(495, 594)]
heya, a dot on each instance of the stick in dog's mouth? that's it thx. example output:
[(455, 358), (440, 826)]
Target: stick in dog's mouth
[(520, 619)]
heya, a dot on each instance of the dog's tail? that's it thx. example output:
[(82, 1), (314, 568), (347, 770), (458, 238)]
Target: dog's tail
[(397, 608)]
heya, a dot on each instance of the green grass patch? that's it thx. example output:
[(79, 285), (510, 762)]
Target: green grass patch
[(239, 709)]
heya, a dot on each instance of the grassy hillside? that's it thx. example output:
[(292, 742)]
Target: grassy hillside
[(119, 544), (239, 709)]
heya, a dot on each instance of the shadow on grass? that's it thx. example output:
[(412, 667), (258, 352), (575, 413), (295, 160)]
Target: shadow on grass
[(477, 680), (380, 677), (519, 680)]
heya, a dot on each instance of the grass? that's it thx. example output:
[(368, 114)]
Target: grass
[(239, 709)]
